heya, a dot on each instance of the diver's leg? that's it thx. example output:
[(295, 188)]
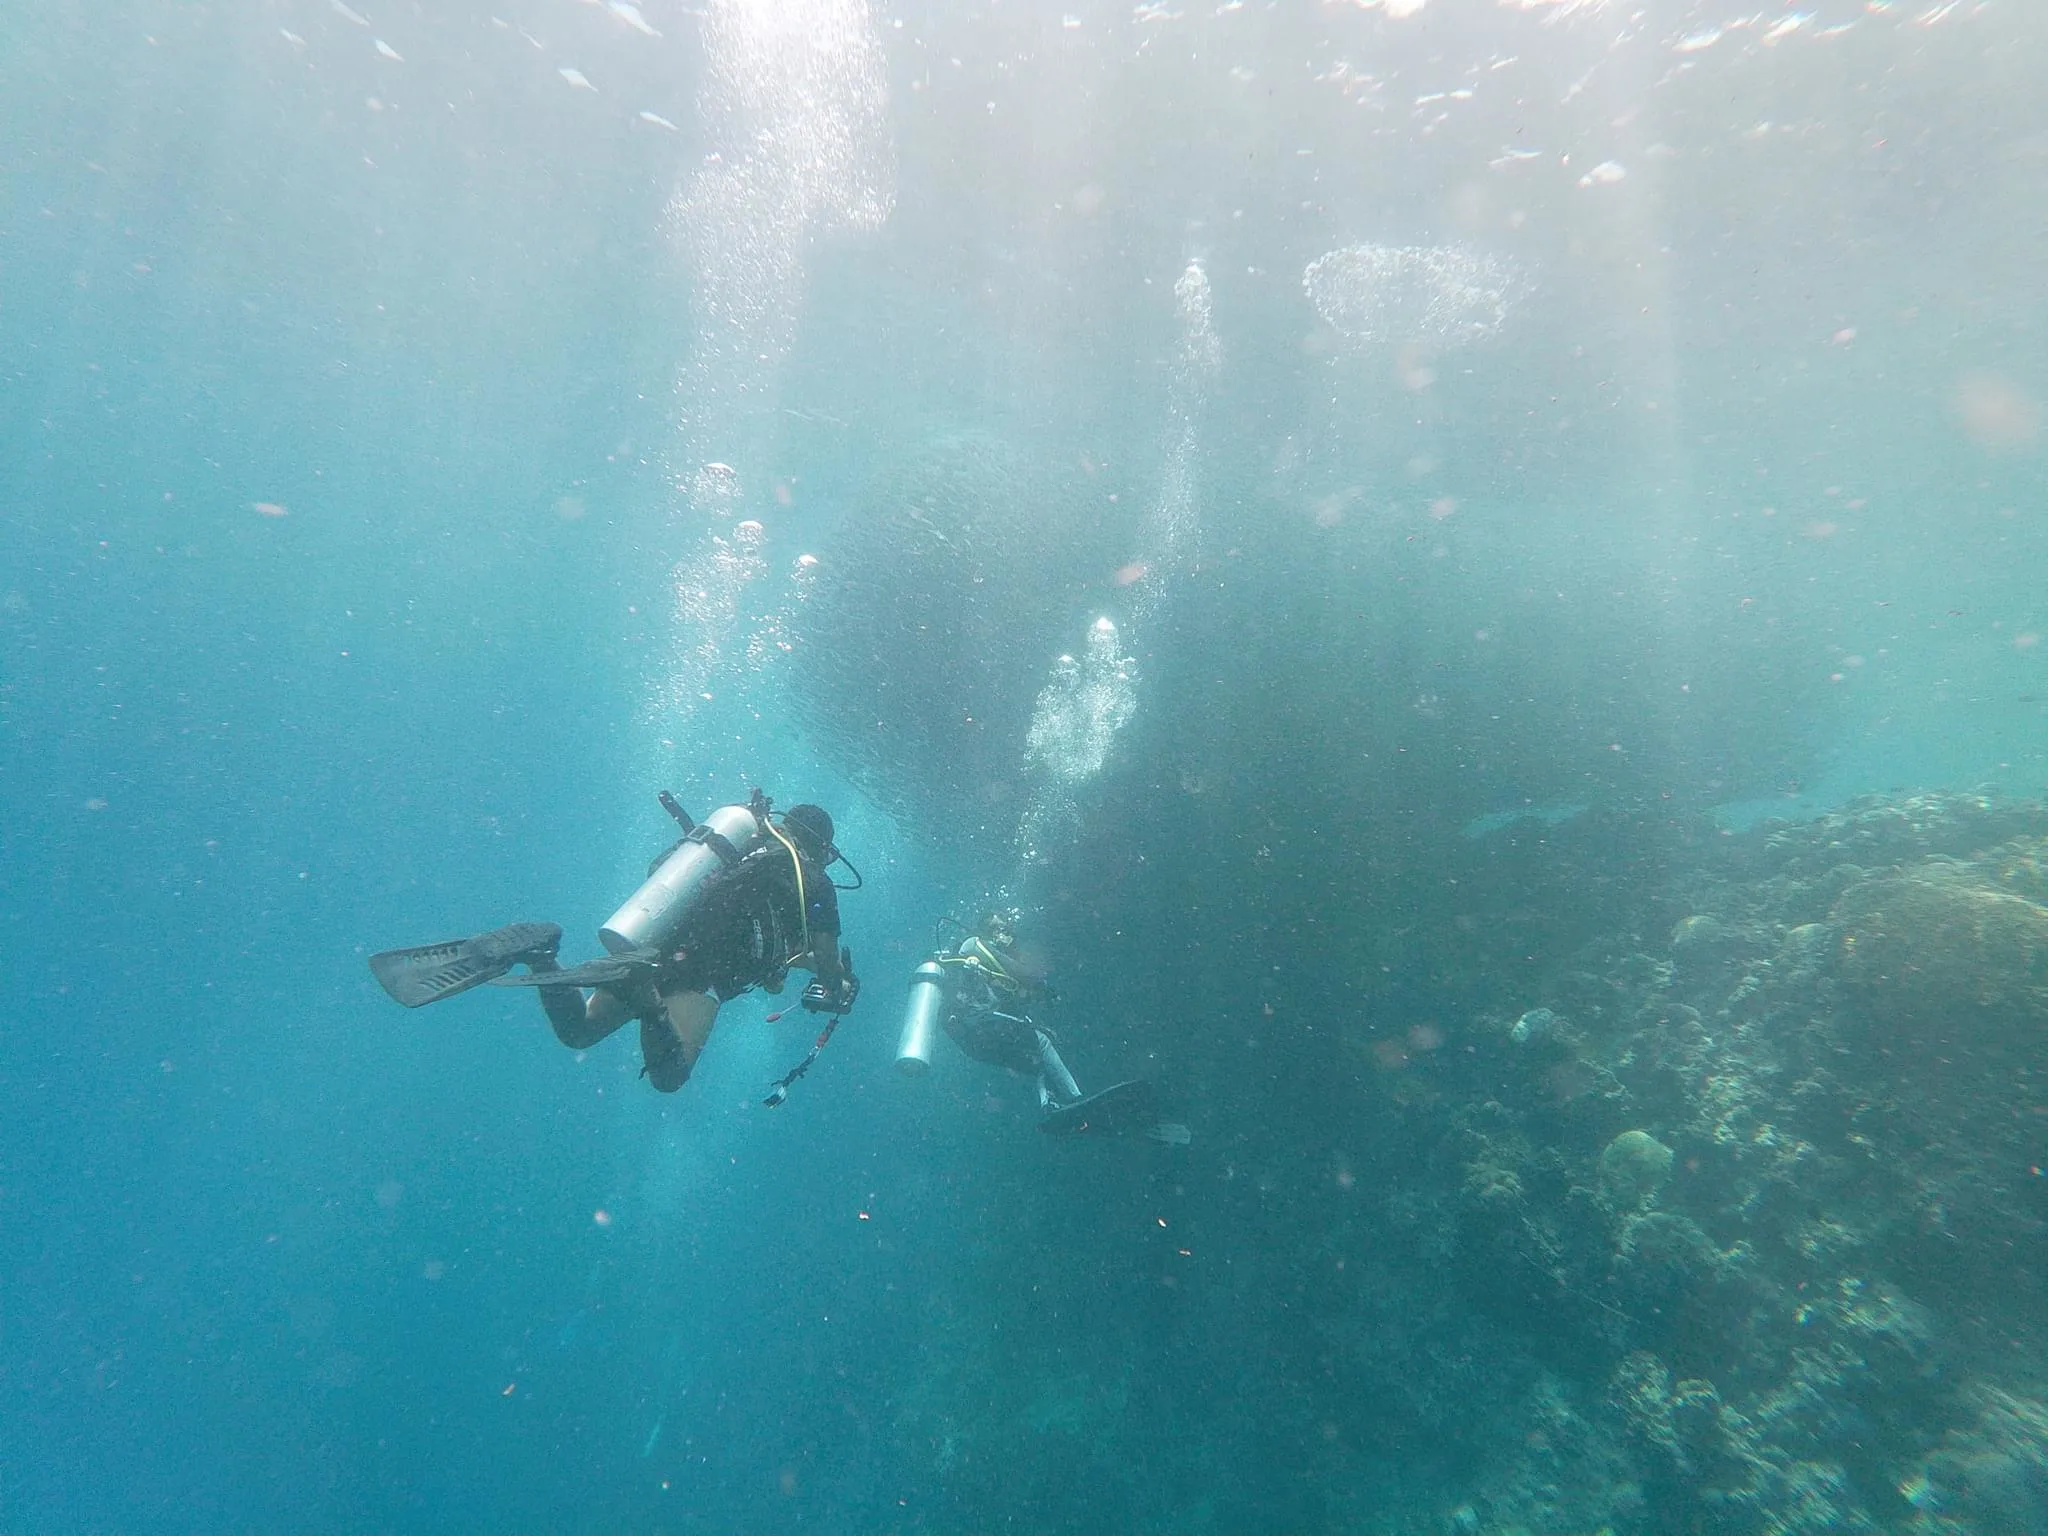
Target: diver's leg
[(577, 1024), (671, 1039), (1056, 1084)]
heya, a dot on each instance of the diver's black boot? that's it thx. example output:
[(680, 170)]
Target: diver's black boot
[(535, 943)]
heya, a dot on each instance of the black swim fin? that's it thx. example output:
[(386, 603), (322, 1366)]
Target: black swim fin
[(416, 977), (1125, 1109), (604, 971)]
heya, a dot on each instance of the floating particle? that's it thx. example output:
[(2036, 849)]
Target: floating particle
[(1996, 413), (291, 37), (659, 121), (629, 13), (1605, 174), (356, 17), (270, 508), (385, 50), (576, 77), (601, 1217)]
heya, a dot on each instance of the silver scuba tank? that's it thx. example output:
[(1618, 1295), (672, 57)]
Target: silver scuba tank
[(922, 1016), (654, 914)]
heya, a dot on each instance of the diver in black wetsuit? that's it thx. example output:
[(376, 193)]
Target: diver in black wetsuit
[(991, 989), (734, 905), (980, 995)]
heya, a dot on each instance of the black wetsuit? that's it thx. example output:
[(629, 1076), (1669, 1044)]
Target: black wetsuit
[(750, 924), (987, 1020)]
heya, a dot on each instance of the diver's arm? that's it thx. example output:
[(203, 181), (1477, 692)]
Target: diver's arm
[(824, 956)]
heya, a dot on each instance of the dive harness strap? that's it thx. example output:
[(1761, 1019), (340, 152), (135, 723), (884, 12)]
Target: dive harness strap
[(716, 841), (983, 960)]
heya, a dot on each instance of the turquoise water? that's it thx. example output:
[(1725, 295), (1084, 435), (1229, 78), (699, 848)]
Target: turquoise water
[(1511, 445)]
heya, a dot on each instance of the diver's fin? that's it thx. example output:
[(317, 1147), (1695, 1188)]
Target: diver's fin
[(416, 977), (604, 971), (1123, 1110)]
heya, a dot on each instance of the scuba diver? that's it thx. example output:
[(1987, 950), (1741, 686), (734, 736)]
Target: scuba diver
[(733, 904), (978, 994)]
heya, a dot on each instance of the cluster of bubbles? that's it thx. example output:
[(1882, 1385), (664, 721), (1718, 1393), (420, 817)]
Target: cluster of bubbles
[(1440, 294), (1201, 354), (1081, 708), (922, 647), (774, 634), (793, 101), (1173, 521), (920, 654), (710, 596)]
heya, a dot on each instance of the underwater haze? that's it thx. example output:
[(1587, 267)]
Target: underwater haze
[(1474, 570)]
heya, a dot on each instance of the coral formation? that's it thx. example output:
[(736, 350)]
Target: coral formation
[(1935, 947), (1633, 1167)]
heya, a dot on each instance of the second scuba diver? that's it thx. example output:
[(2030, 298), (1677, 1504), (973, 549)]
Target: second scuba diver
[(735, 904), (978, 994)]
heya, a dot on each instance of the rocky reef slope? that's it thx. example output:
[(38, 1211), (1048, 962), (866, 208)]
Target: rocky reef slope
[(1781, 1178)]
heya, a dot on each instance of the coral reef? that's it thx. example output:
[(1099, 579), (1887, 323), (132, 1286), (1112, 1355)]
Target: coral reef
[(1816, 1278)]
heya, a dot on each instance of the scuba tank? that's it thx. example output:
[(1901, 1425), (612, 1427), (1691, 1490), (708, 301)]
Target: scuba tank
[(922, 1016), (653, 915)]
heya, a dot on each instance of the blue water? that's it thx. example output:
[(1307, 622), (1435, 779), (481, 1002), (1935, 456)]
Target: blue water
[(358, 375)]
